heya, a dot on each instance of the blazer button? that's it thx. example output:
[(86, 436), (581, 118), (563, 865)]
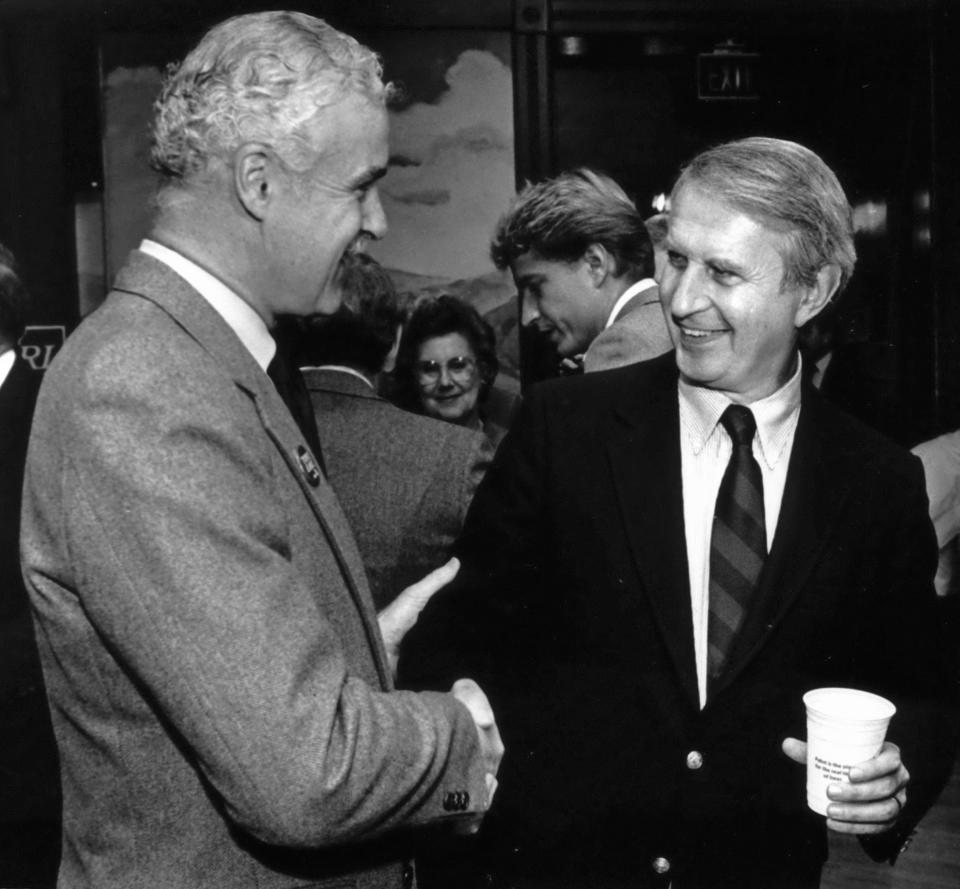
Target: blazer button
[(456, 801), (661, 865), (407, 876), (694, 760)]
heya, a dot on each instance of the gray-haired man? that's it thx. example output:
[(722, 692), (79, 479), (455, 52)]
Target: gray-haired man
[(220, 688)]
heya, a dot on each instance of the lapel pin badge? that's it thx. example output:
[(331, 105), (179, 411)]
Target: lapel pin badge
[(308, 465)]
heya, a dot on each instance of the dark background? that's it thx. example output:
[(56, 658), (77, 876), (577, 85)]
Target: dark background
[(871, 85)]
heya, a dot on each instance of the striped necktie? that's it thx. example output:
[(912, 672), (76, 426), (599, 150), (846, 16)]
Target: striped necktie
[(738, 544)]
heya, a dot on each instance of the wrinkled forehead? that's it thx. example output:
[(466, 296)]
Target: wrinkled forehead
[(708, 229), (354, 129)]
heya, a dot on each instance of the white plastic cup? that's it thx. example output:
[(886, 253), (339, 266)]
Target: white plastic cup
[(845, 727)]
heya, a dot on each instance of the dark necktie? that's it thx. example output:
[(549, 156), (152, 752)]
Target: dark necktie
[(738, 543), (289, 382)]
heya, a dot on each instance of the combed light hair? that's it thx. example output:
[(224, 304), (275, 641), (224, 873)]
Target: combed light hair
[(788, 188), (559, 218), (258, 77)]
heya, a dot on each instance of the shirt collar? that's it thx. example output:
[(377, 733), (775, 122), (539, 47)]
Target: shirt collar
[(243, 320), (776, 415), (339, 368), (7, 360), (626, 296)]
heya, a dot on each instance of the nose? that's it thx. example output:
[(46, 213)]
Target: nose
[(528, 310), (682, 291), (374, 219), (445, 381)]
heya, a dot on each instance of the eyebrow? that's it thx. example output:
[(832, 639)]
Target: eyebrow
[(730, 265), (368, 177), (531, 278)]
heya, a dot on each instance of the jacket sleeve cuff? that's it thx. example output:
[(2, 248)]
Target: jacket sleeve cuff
[(888, 846)]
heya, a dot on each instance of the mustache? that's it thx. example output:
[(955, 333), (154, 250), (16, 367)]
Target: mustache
[(356, 246)]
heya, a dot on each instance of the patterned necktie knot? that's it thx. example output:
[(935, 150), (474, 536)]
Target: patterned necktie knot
[(739, 423)]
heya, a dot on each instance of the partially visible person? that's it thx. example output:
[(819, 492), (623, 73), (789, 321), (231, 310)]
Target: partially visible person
[(220, 683), (447, 364), (404, 481), (657, 227), (29, 779), (583, 264), (941, 467), (857, 374)]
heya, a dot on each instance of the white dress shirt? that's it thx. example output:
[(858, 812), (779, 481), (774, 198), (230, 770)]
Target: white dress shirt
[(705, 448), (343, 369), (243, 320), (626, 296), (7, 360)]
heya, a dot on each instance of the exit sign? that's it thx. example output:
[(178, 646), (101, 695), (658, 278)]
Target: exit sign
[(727, 74)]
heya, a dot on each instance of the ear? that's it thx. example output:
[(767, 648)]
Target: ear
[(254, 172), (599, 263), (814, 299)]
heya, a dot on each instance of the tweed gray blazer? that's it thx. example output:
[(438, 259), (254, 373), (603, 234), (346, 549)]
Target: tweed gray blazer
[(219, 690), (638, 333), (404, 481)]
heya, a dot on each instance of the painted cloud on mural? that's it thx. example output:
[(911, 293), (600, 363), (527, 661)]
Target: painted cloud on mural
[(451, 173)]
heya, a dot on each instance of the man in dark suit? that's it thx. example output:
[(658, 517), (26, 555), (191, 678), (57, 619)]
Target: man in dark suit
[(582, 261), (219, 681), (29, 784), (404, 481), (670, 554)]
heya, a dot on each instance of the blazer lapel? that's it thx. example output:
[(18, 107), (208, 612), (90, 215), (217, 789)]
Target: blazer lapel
[(148, 278), (818, 483), (644, 453)]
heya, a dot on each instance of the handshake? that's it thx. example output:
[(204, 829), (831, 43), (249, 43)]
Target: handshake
[(395, 621)]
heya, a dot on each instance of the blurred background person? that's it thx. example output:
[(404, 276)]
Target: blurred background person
[(941, 468), (29, 777), (446, 367), (857, 374), (657, 226), (582, 261), (404, 481)]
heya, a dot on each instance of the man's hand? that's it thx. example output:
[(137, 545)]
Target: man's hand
[(472, 697), (872, 801), (401, 614)]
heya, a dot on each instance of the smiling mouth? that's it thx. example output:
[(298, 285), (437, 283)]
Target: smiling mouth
[(699, 334)]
